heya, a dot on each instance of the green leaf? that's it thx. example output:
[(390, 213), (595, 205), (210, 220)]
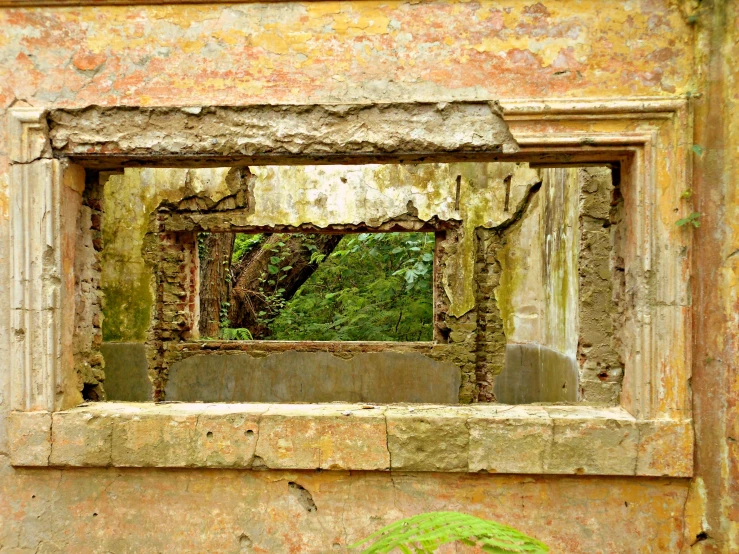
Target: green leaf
[(275, 260), (698, 149), (273, 269), (692, 219), (287, 268)]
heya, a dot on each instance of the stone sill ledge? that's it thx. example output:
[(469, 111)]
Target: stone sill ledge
[(491, 438)]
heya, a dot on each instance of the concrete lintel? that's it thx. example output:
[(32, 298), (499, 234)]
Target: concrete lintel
[(118, 136), (493, 438)]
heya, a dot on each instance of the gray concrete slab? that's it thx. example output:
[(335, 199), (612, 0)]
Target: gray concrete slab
[(535, 373), (379, 377), (126, 372)]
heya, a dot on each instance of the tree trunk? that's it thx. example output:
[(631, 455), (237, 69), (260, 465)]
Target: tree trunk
[(215, 266), (255, 283)]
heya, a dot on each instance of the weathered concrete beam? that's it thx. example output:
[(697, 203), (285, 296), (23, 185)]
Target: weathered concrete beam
[(115, 136), (495, 438)]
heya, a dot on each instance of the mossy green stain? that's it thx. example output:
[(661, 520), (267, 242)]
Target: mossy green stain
[(127, 310)]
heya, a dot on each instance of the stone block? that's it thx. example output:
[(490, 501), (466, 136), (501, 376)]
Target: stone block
[(147, 439), (332, 436), (81, 438), (495, 438), (593, 441), (427, 439), (509, 439), (226, 436), (29, 434), (665, 448)]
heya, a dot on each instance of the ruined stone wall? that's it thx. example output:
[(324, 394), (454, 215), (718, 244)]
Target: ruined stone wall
[(455, 199), (523, 226), (130, 199), (88, 335), (328, 52), (558, 292), (601, 366)]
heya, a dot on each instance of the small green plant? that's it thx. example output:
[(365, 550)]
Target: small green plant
[(692, 219), (243, 244), (228, 333), (424, 533)]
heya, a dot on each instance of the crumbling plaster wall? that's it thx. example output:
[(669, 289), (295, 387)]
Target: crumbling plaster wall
[(469, 196), (306, 196), (511, 253), (557, 286), (129, 201), (330, 51), (537, 294)]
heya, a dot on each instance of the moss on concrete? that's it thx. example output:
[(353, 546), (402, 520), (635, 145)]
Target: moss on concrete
[(129, 200)]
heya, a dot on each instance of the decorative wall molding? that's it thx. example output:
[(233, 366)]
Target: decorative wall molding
[(650, 139), (28, 134), (36, 264)]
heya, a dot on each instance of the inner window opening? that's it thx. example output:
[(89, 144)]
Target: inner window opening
[(317, 286)]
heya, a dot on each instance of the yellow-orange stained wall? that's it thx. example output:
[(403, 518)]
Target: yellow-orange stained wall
[(346, 51)]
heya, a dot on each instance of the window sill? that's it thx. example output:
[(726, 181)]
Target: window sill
[(494, 438)]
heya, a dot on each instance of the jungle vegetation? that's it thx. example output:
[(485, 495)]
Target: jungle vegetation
[(310, 286)]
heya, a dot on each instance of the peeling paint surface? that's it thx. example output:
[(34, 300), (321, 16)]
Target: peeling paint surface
[(339, 51), (185, 509)]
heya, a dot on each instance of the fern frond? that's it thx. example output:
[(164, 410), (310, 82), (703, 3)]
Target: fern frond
[(424, 533)]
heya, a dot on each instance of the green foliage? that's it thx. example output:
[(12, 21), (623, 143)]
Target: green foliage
[(243, 244), (202, 250), (698, 149), (693, 219), (228, 333), (424, 533), (373, 286)]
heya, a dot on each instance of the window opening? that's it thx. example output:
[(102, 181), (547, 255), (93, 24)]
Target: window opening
[(317, 286), (441, 283)]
